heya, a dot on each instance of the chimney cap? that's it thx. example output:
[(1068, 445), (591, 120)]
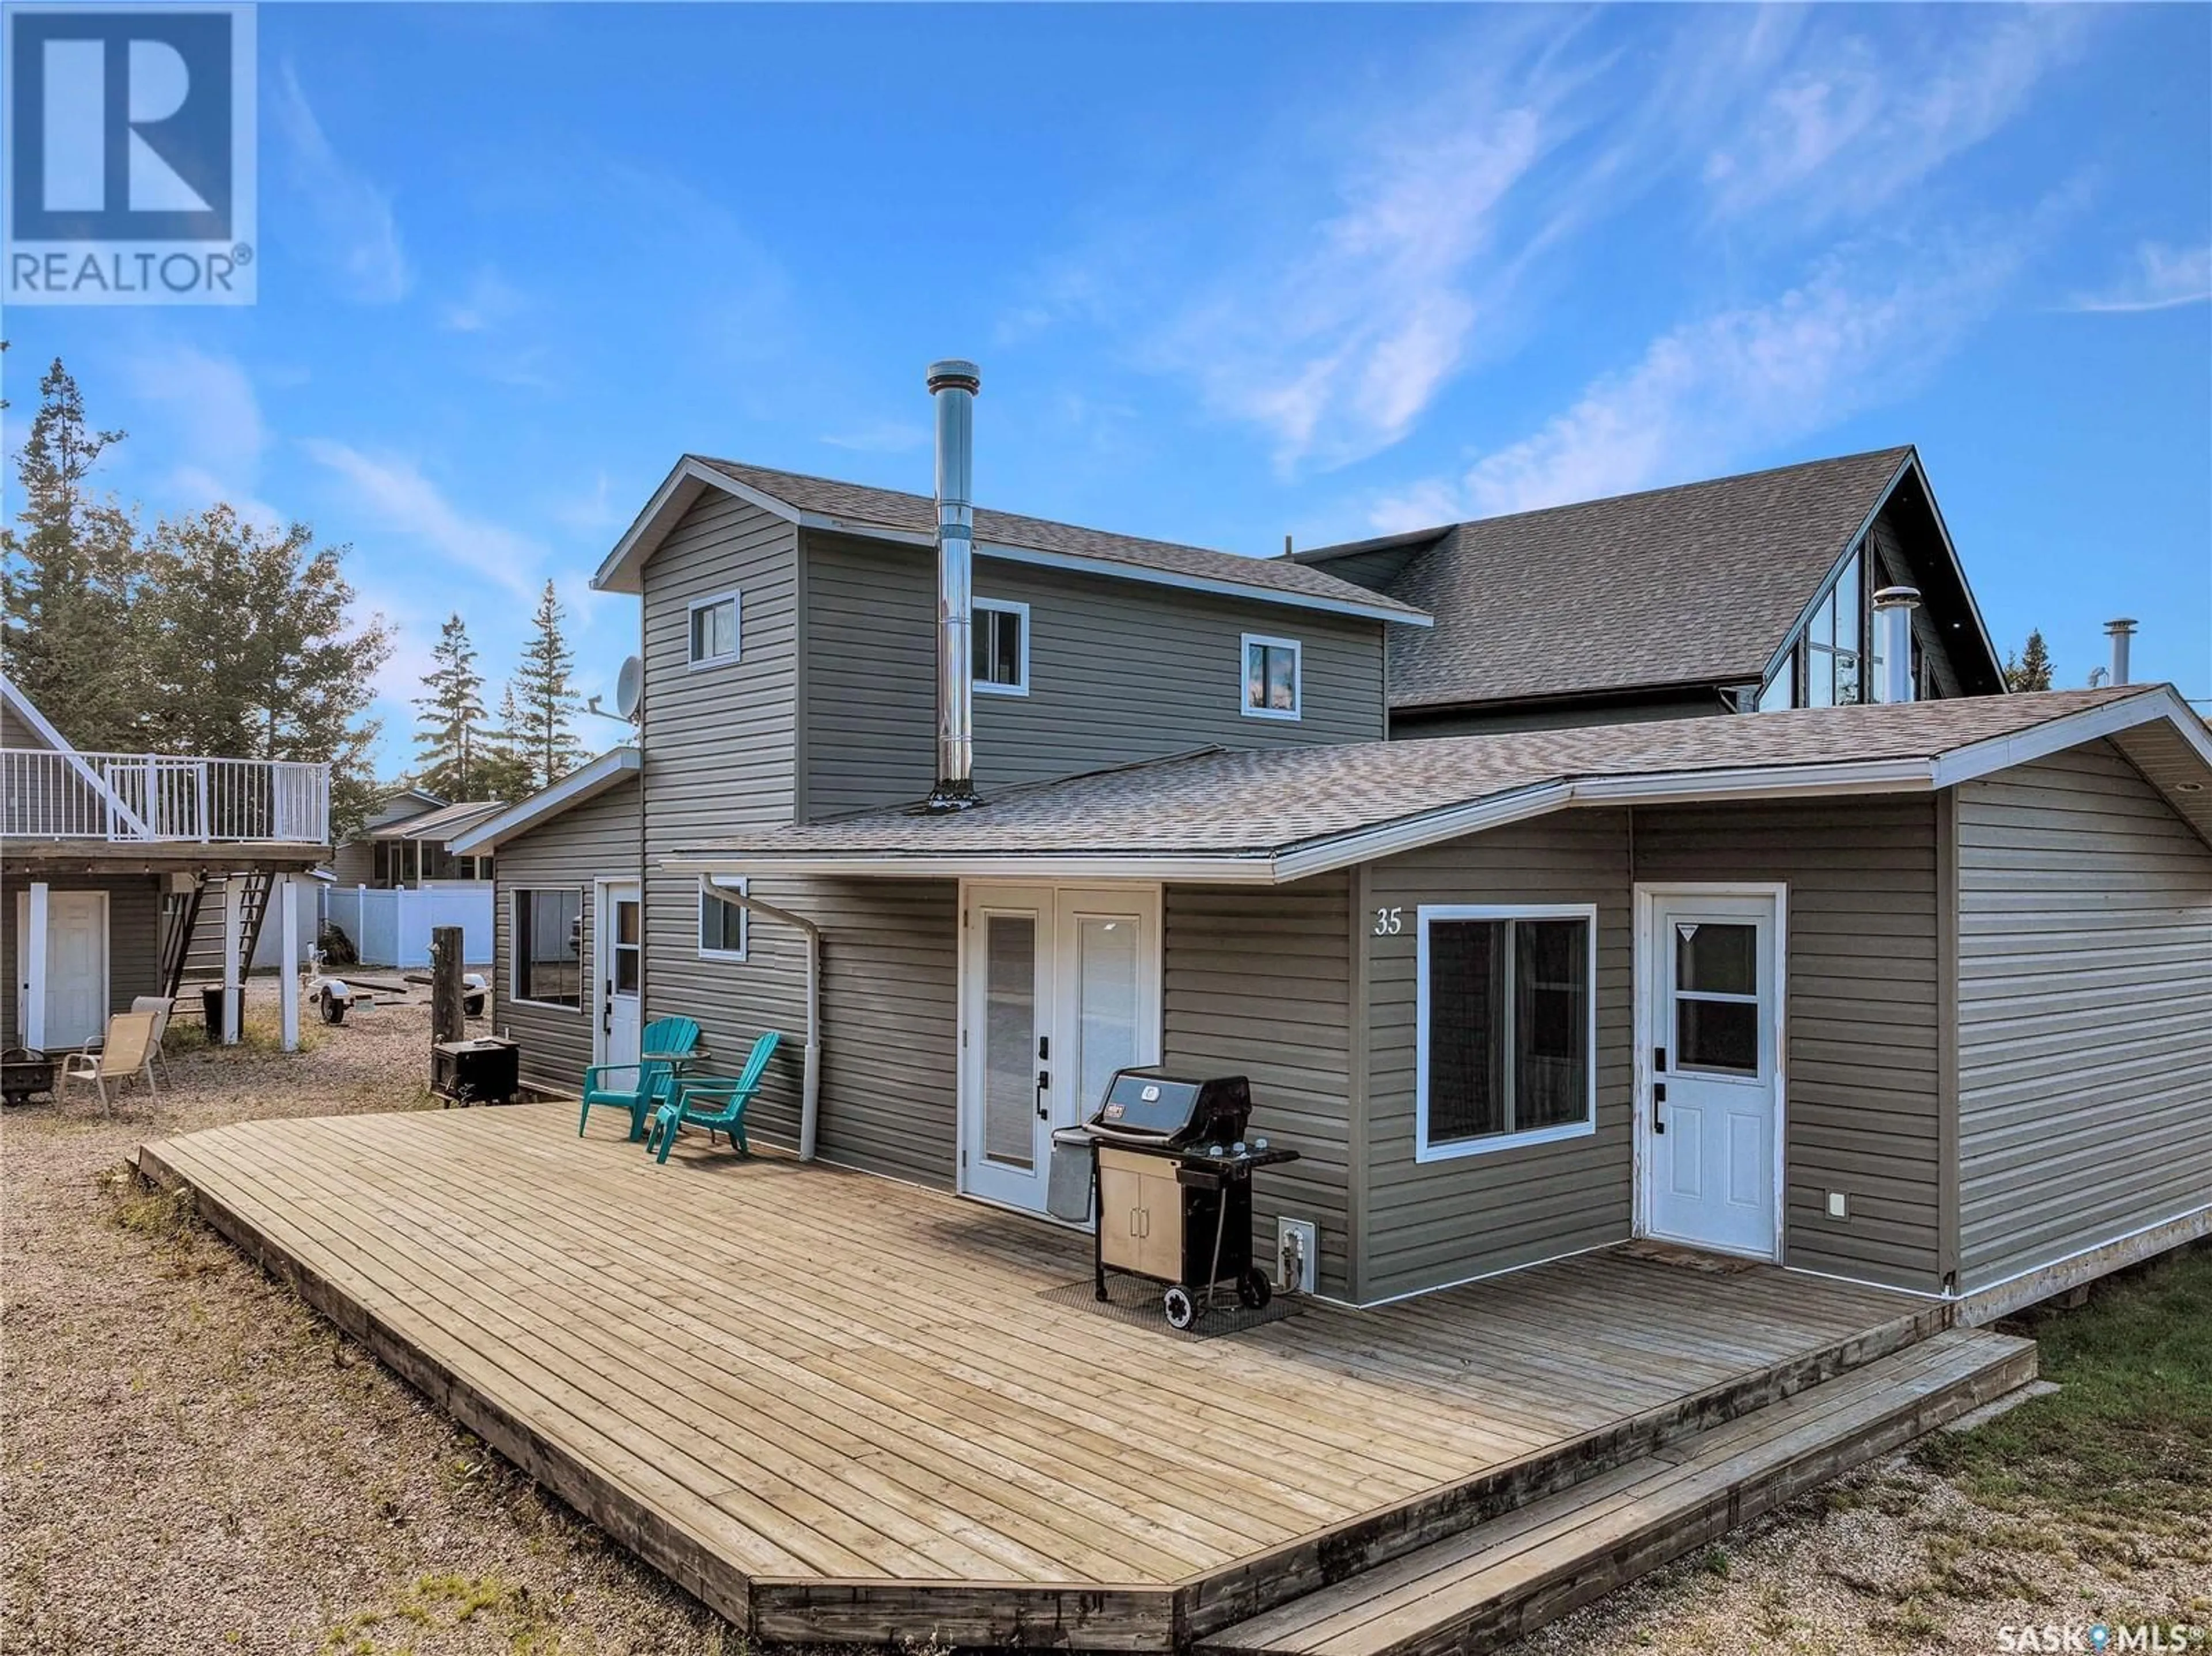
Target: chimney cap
[(2120, 624), (955, 373), (1892, 597)]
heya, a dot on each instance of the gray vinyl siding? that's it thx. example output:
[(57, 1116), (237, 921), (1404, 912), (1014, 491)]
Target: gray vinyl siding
[(134, 928), (1494, 718), (594, 840), (2085, 1005), (1431, 1224), (1118, 672), (1258, 984), (1863, 1092), (15, 733)]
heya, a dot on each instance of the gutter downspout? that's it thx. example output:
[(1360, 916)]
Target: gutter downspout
[(810, 1095)]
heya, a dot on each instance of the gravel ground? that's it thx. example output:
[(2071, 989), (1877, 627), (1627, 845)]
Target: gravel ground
[(193, 1462)]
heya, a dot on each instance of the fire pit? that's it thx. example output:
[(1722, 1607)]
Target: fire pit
[(24, 1072)]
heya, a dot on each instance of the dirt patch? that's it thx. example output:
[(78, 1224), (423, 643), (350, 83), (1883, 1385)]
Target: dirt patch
[(193, 1462)]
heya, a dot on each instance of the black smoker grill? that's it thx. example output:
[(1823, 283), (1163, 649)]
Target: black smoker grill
[(1172, 1172), (485, 1070)]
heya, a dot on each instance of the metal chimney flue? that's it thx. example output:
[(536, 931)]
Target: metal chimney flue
[(1893, 637), (2122, 630), (954, 383)]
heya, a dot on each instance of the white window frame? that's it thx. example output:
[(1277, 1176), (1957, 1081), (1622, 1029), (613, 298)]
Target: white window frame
[(514, 995), (1490, 1143), (743, 886), (736, 629), (1297, 650), (1005, 607)]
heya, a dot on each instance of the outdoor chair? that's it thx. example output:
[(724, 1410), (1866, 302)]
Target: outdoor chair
[(715, 1102), (160, 1006), (127, 1054), (639, 1089)]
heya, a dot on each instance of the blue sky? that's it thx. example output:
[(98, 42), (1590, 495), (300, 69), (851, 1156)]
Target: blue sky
[(1231, 273)]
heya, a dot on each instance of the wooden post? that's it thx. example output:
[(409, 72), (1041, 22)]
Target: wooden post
[(233, 948), (34, 947), (288, 968), (446, 1014)]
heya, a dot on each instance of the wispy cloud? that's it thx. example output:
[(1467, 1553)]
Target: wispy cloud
[(882, 437), (396, 493), (2162, 278), (1709, 393), (490, 302), (594, 509), (1848, 126), (207, 418), (356, 231)]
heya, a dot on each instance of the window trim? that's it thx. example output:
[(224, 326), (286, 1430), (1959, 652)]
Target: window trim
[(514, 995), (742, 885), (736, 601), (1489, 1144), (1298, 649), (1005, 607)]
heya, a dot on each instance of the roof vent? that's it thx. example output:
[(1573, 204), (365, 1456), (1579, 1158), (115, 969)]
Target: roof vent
[(954, 384), (2122, 629)]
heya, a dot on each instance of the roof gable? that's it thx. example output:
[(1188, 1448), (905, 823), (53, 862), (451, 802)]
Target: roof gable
[(893, 514), (1700, 583)]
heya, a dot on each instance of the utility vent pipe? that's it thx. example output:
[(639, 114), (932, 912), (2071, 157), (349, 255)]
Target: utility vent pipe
[(2122, 629), (954, 383), (1893, 636)]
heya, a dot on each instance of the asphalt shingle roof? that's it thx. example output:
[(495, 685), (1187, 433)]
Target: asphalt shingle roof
[(892, 508), (1218, 801), (1697, 584), (444, 822)]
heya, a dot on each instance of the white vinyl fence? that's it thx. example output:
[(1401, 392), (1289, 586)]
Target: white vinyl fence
[(392, 928)]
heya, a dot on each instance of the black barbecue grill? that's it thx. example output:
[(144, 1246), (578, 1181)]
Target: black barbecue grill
[(1171, 1176)]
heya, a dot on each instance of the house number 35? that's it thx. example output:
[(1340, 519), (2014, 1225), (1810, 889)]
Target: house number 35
[(1389, 922)]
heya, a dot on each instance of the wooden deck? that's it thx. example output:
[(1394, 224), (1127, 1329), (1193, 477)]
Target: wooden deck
[(834, 1407)]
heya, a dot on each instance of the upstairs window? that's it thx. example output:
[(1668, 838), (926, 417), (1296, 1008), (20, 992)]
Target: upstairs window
[(714, 630), (1833, 659), (999, 663), (1272, 676), (1507, 1036)]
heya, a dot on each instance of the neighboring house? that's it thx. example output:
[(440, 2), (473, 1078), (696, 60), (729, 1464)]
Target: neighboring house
[(1743, 593), (121, 872), (1913, 994), (398, 879)]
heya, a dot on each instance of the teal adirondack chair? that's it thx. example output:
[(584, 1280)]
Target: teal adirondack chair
[(715, 1102), (650, 1081)]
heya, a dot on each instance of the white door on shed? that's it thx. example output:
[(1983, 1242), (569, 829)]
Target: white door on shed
[(621, 959), (76, 965), (1708, 1006)]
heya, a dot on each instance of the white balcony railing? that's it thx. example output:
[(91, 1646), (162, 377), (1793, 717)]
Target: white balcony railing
[(152, 798)]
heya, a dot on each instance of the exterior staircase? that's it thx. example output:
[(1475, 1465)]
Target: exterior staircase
[(192, 922), (1510, 1573)]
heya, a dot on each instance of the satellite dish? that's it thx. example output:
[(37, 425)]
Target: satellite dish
[(629, 688)]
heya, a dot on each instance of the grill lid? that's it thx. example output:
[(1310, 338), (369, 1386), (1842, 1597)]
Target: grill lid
[(1150, 1104)]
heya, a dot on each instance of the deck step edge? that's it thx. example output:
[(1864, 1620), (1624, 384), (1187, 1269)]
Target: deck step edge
[(1514, 1572)]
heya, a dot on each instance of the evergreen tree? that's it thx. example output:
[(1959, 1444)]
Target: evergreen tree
[(505, 770), (68, 581), (2031, 669), (546, 698), (251, 651), (449, 744)]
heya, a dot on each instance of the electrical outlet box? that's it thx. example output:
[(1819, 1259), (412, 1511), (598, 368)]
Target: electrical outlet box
[(1839, 1205), (1298, 1255)]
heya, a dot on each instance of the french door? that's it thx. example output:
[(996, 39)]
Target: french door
[(1708, 1005), (1059, 987)]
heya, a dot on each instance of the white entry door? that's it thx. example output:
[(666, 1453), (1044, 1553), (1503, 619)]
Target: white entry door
[(1061, 987), (619, 926), (1710, 1005), (77, 966)]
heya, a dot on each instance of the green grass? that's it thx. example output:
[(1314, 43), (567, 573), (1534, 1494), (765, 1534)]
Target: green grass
[(2125, 1443)]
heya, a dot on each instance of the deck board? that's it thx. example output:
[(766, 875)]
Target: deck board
[(778, 1373)]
